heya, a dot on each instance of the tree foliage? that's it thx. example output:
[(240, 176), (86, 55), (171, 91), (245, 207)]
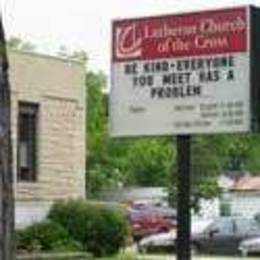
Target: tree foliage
[(150, 161), (16, 43), (76, 55)]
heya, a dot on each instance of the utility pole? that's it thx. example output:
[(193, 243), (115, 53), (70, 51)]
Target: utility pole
[(7, 239)]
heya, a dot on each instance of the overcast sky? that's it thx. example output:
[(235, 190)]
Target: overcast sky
[(86, 24)]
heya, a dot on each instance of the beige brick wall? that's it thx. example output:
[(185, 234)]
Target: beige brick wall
[(58, 87)]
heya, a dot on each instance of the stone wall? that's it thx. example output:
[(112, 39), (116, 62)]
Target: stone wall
[(58, 86)]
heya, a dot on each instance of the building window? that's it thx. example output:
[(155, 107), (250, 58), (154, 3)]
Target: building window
[(27, 142)]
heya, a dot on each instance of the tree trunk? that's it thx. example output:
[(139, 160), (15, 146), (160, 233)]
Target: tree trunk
[(7, 248)]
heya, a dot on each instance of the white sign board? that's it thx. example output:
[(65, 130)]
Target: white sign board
[(181, 74)]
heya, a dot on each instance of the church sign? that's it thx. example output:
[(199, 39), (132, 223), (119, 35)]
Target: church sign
[(189, 73)]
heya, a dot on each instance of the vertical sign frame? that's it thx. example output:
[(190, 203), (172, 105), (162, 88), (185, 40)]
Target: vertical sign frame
[(254, 14)]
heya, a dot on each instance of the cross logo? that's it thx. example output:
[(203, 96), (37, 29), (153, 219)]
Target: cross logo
[(128, 42)]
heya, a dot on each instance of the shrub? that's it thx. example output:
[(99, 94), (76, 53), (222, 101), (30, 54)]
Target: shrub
[(45, 236), (101, 230)]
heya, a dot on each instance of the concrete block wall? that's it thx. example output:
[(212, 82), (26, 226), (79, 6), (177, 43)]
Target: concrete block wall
[(58, 86)]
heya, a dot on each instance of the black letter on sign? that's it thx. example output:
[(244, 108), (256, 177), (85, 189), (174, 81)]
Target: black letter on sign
[(230, 75)]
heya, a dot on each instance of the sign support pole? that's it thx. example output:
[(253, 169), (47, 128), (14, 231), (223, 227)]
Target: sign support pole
[(183, 196)]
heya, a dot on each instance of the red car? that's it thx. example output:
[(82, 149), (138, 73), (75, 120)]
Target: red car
[(146, 220)]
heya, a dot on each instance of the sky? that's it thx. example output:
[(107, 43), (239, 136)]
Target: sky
[(86, 24)]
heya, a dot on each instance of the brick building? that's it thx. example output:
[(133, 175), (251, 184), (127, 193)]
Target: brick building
[(48, 132)]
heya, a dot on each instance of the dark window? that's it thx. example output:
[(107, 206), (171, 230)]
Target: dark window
[(27, 142)]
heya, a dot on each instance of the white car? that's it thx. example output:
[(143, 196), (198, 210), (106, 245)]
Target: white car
[(166, 240), (250, 246)]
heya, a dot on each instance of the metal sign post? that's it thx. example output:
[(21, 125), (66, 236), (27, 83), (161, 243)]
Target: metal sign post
[(7, 248), (183, 196)]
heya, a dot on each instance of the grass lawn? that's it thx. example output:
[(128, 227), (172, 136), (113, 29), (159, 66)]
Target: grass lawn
[(161, 257), (132, 256)]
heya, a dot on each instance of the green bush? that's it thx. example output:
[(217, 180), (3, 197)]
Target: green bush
[(45, 236), (101, 230)]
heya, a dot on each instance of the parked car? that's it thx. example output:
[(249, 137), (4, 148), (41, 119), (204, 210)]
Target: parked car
[(219, 236), (165, 211), (224, 235), (146, 220), (166, 241), (250, 246), (158, 242)]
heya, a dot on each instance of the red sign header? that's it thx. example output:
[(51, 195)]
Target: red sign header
[(205, 33)]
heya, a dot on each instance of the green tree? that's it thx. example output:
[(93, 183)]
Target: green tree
[(16, 43), (239, 152), (208, 157), (76, 55), (150, 161), (96, 133)]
